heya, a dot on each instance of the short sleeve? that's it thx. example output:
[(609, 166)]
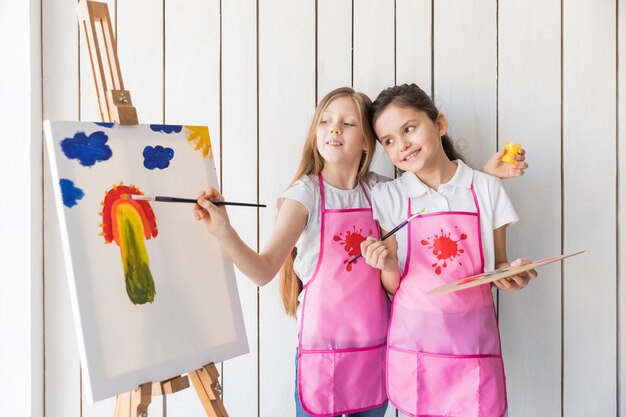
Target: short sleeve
[(381, 197), (303, 191), (504, 213)]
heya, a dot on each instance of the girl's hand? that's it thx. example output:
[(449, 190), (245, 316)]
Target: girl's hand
[(381, 254), (516, 282), (215, 217), (498, 168)]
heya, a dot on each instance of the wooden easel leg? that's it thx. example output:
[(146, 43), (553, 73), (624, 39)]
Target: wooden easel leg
[(122, 405), (134, 403), (207, 385)]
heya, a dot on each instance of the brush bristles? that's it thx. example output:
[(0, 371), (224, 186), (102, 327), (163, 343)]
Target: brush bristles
[(137, 197)]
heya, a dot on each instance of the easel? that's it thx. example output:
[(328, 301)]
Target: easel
[(115, 105)]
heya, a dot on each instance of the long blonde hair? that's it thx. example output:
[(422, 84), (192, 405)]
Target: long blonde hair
[(312, 163)]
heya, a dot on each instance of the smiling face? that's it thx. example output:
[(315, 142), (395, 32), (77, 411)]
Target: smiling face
[(340, 134), (410, 138)]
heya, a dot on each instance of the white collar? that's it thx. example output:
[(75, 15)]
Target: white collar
[(462, 178)]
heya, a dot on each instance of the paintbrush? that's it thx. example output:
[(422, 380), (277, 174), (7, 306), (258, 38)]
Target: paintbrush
[(394, 230), (164, 199)]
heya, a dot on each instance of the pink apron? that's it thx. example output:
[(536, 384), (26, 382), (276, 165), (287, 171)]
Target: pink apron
[(444, 356), (345, 314)]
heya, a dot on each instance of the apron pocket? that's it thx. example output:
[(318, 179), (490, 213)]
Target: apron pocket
[(402, 379), (341, 381), (468, 386)]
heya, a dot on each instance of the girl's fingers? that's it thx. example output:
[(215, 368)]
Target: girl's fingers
[(196, 212), (519, 281), (378, 255), (530, 274), (502, 284)]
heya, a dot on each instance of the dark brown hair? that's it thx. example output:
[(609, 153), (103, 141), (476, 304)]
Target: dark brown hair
[(411, 96)]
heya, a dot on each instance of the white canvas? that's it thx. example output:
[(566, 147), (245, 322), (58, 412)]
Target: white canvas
[(190, 315)]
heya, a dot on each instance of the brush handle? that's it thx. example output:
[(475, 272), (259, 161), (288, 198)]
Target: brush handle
[(217, 203), (232, 203), (394, 230)]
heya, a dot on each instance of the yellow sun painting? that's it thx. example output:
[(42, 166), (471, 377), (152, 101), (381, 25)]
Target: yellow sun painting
[(200, 135)]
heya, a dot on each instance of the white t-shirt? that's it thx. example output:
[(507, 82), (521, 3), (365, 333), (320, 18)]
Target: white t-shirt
[(390, 205), (306, 191)]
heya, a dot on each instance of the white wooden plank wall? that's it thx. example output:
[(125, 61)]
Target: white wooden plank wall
[(529, 62), (239, 172), (540, 72), (589, 208)]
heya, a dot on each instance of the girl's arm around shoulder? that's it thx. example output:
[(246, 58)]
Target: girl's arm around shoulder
[(515, 282), (261, 267), (498, 168), (383, 255)]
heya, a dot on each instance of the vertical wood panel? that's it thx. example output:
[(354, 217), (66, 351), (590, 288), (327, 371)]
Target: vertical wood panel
[(465, 74), (413, 43), (589, 137), (374, 58), (529, 109), (621, 204), (239, 183), (20, 224), (140, 49), (286, 104), (334, 45), (192, 98), (60, 102)]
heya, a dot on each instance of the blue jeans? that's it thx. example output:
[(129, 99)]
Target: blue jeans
[(374, 412)]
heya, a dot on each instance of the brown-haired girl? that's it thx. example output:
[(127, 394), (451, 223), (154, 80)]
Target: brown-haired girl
[(444, 356)]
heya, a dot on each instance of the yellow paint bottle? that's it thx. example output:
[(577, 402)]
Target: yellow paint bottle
[(511, 149)]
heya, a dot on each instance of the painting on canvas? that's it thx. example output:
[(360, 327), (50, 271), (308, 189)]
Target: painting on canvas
[(153, 295)]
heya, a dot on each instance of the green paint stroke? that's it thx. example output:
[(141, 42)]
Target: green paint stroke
[(139, 282)]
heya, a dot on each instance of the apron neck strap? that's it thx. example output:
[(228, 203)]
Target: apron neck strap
[(367, 197), (321, 182), (475, 199)]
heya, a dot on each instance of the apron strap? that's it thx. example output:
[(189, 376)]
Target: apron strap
[(321, 182), (475, 199), (367, 197)]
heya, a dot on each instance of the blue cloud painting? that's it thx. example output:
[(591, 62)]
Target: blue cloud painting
[(71, 193), (87, 149), (157, 157), (167, 128), (105, 124)]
